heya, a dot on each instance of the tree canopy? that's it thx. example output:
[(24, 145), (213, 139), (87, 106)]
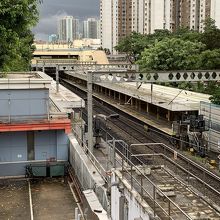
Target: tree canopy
[(171, 54), (16, 21), (141, 48), (183, 49)]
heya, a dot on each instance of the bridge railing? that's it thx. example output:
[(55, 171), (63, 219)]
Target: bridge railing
[(107, 67)]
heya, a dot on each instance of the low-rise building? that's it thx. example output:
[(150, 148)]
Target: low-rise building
[(34, 122)]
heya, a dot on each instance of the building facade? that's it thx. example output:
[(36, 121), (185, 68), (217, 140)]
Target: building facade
[(91, 28), (215, 11), (108, 28), (121, 17), (68, 29), (53, 38), (32, 129)]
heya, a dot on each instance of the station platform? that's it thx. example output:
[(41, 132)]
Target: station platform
[(169, 98), (157, 106), (150, 120), (65, 100)]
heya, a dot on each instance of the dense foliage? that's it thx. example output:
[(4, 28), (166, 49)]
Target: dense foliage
[(16, 20), (171, 54), (182, 50)]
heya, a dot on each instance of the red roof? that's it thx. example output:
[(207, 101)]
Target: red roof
[(58, 124)]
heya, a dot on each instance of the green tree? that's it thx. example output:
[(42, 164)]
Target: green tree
[(186, 34), (16, 21), (209, 60), (132, 45), (171, 54), (211, 35), (215, 98)]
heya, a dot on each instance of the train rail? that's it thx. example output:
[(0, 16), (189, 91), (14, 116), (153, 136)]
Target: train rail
[(132, 132)]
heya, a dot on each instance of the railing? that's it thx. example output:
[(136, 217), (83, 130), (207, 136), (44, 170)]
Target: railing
[(107, 67), (64, 61), (165, 147), (35, 117), (127, 167), (91, 156), (124, 162)]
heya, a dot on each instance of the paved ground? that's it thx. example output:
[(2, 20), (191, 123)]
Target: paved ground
[(14, 200), (52, 200)]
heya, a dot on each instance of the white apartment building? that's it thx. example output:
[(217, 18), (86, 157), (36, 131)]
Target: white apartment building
[(138, 16), (121, 17), (106, 24), (68, 29), (215, 11), (194, 14), (204, 12), (65, 29), (91, 28)]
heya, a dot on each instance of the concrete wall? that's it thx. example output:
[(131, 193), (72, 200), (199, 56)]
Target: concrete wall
[(86, 172), (124, 202), (14, 150), (23, 104)]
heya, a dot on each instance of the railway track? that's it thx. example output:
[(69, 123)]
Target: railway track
[(133, 133), (205, 181)]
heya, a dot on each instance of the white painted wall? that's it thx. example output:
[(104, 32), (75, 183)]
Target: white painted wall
[(157, 14), (215, 11), (194, 15), (135, 209), (106, 24), (134, 15), (202, 14), (138, 16), (114, 25), (141, 18), (147, 17)]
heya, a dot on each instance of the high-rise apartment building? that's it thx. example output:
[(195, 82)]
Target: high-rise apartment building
[(121, 17), (108, 28), (192, 13), (76, 29), (91, 28), (215, 11), (68, 29)]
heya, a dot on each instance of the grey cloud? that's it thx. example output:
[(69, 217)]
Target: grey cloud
[(51, 10)]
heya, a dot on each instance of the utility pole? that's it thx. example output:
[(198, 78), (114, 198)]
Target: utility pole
[(57, 78), (89, 109)]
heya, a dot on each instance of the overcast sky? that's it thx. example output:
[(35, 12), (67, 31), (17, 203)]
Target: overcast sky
[(51, 10)]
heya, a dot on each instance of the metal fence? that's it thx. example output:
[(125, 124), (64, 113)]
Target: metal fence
[(121, 158), (211, 114)]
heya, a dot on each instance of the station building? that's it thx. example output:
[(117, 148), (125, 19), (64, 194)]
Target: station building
[(34, 121)]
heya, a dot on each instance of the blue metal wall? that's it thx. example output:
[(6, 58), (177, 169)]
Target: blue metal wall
[(23, 104), (13, 149), (13, 146)]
